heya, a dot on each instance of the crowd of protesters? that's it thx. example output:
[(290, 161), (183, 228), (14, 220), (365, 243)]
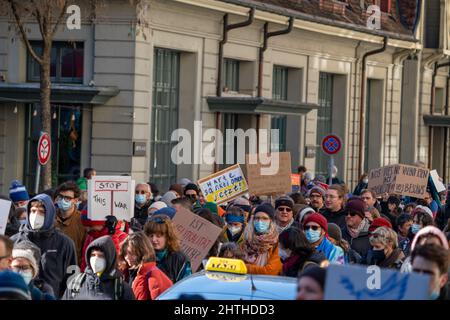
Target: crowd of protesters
[(53, 250)]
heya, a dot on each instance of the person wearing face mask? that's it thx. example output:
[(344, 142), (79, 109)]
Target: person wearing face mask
[(363, 182), (18, 194), (101, 280), (433, 260), (385, 252), (235, 225), (260, 246), (296, 253), (25, 264), (142, 200), (316, 231), (58, 249), (68, 218), (422, 217)]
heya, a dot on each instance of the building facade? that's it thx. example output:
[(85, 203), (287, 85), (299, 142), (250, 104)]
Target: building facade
[(119, 91)]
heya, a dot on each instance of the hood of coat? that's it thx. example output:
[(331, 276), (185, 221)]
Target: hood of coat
[(50, 213), (106, 245)]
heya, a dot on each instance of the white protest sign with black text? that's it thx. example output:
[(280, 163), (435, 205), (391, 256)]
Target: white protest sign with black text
[(111, 195), (5, 206)]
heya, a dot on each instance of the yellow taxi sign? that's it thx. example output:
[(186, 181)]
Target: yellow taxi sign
[(226, 265)]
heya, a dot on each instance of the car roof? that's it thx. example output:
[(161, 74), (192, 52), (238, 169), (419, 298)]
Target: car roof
[(228, 286)]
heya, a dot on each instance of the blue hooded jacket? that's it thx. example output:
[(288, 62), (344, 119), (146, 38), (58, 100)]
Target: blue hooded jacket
[(57, 250)]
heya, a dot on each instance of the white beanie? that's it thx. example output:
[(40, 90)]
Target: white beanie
[(158, 205), (304, 212), (425, 209), (27, 254)]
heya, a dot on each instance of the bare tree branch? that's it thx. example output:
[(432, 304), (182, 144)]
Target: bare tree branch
[(37, 14), (61, 15)]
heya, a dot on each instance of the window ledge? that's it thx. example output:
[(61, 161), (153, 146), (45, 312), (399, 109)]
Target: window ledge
[(436, 120)]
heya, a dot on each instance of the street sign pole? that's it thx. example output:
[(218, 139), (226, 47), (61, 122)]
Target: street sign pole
[(330, 170), (38, 176)]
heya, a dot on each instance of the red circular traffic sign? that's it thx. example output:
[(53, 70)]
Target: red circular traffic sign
[(44, 149), (331, 144)]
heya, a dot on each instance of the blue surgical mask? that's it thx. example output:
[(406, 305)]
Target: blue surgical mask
[(435, 295), (261, 226), (140, 198), (415, 228), (64, 205), (23, 221), (284, 253), (313, 236)]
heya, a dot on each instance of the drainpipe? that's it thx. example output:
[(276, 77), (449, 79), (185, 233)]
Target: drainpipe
[(263, 49), (362, 114), (226, 28), (444, 174)]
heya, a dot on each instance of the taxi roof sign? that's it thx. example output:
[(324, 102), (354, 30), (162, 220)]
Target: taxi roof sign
[(226, 265)]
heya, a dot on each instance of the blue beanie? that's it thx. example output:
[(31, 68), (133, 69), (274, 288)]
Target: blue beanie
[(13, 286), (170, 212), (18, 192)]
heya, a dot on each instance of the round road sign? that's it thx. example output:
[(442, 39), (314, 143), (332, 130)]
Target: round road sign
[(331, 144), (44, 149)]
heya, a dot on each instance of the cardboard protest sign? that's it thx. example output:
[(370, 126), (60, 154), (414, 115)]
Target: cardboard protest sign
[(295, 182), (436, 181), (399, 179), (224, 185), (110, 195), (197, 235), (351, 282), (5, 206), (269, 178)]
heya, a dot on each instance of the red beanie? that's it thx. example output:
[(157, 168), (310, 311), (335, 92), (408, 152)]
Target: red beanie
[(317, 218), (379, 222)]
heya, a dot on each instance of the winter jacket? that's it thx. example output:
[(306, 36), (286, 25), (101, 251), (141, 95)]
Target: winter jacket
[(57, 249), (37, 294), (443, 215), (360, 244), (237, 238), (337, 217), (175, 265), (333, 253), (360, 187), (393, 261), (141, 213), (108, 286), (150, 282), (74, 229), (295, 264), (273, 266)]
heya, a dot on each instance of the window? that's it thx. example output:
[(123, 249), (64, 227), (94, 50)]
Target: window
[(367, 122), (432, 23), (439, 100), (166, 89), (279, 92), (66, 143), (67, 61), (324, 119), (230, 75)]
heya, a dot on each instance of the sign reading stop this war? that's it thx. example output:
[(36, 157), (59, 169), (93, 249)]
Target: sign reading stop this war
[(197, 235), (399, 179)]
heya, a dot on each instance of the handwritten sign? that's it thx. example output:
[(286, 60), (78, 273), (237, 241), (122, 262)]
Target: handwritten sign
[(295, 182), (399, 179), (437, 181), (5, 207), (351, 282), (197, 235), (110, 195), (224, 185), (278, 182)]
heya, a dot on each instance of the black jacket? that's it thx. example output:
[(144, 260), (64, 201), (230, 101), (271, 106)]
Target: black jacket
[(141, 214), (174, 265), (57, 249), (106, 287), (295, 264), (335, 217), (360, 244)]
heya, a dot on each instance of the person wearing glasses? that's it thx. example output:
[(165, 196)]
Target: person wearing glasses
[(68, 218), (356, 229), (6, 247), (334, 204), (433, 260), (315, 227), (260, 246), (385, 251), (143, 200), (317, 198), (169, 257), (284, 214)]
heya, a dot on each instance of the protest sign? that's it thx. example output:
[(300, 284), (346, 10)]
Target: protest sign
[(224, 185), (351, 282), (436, 181), (295, 182), (110, 195), (399, 179), (277, 182), (197, 235), (5, 207)]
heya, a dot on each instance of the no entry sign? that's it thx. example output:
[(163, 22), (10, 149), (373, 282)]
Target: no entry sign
[(44, 149), (331, 144)]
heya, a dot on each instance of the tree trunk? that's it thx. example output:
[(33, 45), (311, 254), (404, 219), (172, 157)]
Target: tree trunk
[(46, 108)]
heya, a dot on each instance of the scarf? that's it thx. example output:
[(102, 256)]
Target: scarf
[(281, 229), (256, 247), (363, 226), (291, 263)]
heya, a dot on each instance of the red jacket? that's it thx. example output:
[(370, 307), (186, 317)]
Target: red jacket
[(150, 282)]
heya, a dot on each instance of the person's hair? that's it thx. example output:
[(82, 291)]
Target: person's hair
[(162, 225), (87, 172), (387, 235), (424, 217), (230, 247), (68, 186), (141, 247), (433, 253), (178, 188), (144, 184), (368, 191), (211, 217), (361, 177), (9, 245), (37, 204), (403, 218), (341, 191), (298, 198), (235, 211), (184, 202), (19, 211), (301, 169), (295, 240)]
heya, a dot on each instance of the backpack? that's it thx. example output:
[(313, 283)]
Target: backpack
[(75, 286)]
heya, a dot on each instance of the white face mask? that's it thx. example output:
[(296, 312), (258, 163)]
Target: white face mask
[(27, 276), (234, 230), (366, 180), (97, 264), (36, 221)]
